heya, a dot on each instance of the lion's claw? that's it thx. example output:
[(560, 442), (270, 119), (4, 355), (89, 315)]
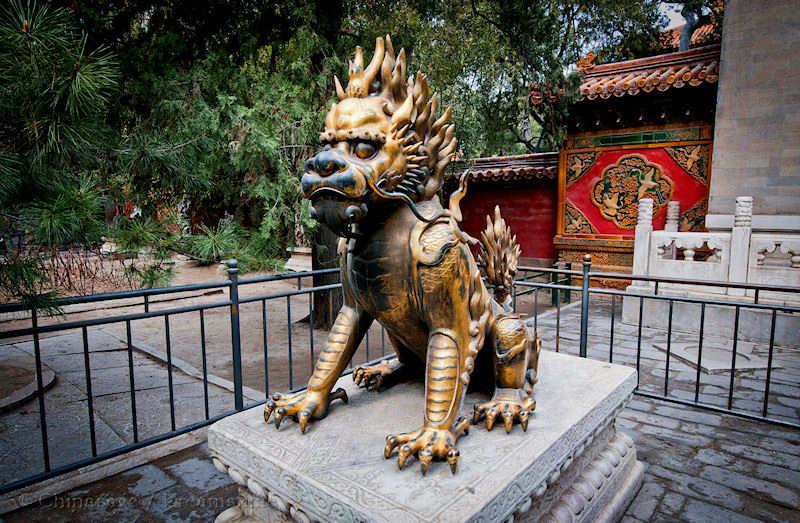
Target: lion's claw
[(372, 376), (427, 445), (509, 404), (301, 406)]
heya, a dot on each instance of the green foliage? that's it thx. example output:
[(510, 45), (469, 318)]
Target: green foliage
[(53, 139), (71, 213), (484, 57), (147, 244), (54, 94), (213, 245), (257, 254), (213, 107), (148, 275), (23, 278)]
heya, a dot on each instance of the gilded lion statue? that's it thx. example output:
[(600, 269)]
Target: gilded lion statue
[(406, 263)]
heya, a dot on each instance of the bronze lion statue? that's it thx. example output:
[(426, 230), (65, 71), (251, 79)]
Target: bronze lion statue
[(406, 263)]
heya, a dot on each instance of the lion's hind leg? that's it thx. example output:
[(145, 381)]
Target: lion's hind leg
[(514, 354)]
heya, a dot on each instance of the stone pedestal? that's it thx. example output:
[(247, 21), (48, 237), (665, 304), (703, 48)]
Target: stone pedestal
[(571, 464)]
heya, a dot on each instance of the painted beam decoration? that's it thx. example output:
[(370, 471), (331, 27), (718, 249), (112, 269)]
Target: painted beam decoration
[(603, 186)]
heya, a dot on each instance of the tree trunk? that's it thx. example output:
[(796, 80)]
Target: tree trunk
[(324, 256)]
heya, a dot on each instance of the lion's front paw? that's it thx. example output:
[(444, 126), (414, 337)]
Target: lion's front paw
[(301, 406), (510, 404), (427, 444)]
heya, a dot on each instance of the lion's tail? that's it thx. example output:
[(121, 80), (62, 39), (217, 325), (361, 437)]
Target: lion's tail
[(498, 257)]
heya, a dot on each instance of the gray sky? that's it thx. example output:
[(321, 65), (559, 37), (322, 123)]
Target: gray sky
[(673, 12)]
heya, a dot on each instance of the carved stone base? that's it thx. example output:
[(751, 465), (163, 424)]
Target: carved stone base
[(571, 464)]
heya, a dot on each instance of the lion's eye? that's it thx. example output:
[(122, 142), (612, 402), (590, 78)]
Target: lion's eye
[(364, 150)]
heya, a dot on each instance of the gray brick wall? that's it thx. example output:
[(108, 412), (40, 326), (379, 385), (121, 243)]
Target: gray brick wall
[(757, 132)]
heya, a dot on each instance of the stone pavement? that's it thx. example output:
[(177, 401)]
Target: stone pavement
[(748, 384), (66, 405), (701, 466)]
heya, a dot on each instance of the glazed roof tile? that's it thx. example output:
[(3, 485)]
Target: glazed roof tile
[(655, 73), (499, 169), (703, 35)]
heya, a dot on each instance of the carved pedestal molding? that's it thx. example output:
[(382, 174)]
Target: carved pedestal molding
[(571, 466)]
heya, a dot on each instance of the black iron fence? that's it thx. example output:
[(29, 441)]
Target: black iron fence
[(150, 304), (571, 324), (591, 323)]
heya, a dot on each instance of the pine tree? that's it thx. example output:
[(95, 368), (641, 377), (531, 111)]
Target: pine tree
[(54, 141)]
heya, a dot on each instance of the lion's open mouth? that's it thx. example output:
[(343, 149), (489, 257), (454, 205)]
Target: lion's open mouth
[(337, 210)]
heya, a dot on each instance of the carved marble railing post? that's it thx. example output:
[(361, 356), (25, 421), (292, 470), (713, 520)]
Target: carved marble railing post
[(673, 216), (641, 241), (740, 242), (641, 261)]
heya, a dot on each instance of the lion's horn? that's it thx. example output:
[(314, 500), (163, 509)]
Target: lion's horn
[(386, 69), (357, 63), (340, 93), (375, 64), (399, 77)]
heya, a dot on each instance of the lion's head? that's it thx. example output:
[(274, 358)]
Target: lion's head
[(383, 142)]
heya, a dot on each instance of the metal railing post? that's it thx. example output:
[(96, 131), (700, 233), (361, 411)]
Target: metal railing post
[(587, 265), (568, 294), (236, 340)]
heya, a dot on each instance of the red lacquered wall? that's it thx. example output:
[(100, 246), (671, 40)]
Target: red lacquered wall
[(530, 211)]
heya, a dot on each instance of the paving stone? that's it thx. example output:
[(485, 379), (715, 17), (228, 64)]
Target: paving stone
[(651, 419), (701, 512), (640, 405), (103, 508), (775, 411), (148, 480), (678, 437), (199, 474), (689, 485), (646, 501), (723, 459), (625, 423), (116, 380), (790, 478), (672, 503), (688, 414), (98, 361), (177, 504), (769, 457), (789, 402), (748, 483), (71, 342), (781, 445)]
